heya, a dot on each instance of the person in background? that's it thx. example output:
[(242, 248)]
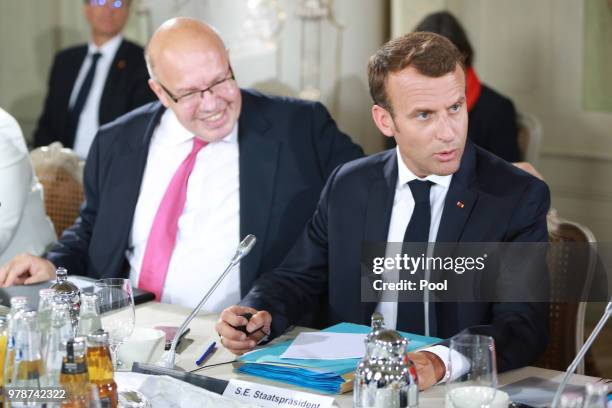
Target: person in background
[(94, 83), (172, 187), (24, 226), (492, 117)]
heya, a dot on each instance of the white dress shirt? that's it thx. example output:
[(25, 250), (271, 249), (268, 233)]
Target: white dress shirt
[(403, 206), (89, 121), (208, 229), (24, 225)]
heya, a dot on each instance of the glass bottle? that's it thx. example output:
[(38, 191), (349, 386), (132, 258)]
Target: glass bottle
[(89, 317), (74, 377), (28, 360), (570, 400), (18, 306), (45, 304), (3, 341), (100, 368), (596, 395), (69, 293), (57, 336)]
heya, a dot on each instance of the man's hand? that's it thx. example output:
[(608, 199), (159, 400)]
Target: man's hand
[(26, 269), (236, 341), (430, 368)]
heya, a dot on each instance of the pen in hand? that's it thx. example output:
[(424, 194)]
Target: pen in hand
[(207, 353)]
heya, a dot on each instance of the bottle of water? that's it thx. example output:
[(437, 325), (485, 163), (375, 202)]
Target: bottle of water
[(28, 359), (596, 395), (59, 333), (18, 306), (89, 317), (45, 304)]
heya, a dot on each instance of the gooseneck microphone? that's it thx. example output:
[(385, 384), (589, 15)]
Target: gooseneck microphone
[(243, 250), (583, 350)]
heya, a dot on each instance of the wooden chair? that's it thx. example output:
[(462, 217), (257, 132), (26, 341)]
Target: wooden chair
[(529, 137), (60, 171), (566, 320)]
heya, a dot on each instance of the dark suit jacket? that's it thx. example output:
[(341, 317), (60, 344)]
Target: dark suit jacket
[(492, 125), (501, 204), (287, 150), (125, 89)]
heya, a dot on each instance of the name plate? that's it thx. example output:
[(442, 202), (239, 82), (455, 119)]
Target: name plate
[(273, 397)]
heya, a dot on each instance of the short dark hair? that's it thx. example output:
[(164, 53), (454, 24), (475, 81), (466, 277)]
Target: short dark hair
[(444, 23), (430, 54)]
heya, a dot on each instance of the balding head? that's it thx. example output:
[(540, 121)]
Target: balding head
[(191, 74), (178, 36)]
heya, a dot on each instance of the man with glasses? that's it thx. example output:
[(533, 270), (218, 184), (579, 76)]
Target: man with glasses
[(172, 187), (92, 84)]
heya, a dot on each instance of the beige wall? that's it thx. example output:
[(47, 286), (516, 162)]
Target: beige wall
[(31, 31), (532, 51)]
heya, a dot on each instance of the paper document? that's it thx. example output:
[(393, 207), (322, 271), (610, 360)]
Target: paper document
[(326, 346)]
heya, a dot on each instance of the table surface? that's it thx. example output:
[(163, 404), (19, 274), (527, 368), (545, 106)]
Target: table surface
[(202, 334)]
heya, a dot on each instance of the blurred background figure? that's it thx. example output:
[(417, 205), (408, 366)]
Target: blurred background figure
[(492, 117), (94, 83), (24, 227)]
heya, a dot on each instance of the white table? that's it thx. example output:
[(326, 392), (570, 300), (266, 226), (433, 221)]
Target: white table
[(203, 333)]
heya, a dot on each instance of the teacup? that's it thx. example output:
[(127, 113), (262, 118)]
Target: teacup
[(143, 346)]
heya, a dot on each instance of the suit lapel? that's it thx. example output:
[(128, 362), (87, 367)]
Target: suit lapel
[(113, 82), (378, 212), (127, 173), (460, 199), (259, 155)]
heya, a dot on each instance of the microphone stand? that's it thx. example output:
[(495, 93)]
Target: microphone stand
[(243, 249), (587, 345)]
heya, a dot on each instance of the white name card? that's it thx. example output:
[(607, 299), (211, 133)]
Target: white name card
[(273, 397)]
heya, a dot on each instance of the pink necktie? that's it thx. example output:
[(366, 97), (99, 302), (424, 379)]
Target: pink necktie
[(165, 226)]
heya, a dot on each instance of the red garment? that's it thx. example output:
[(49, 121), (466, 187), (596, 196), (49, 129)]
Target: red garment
[(473, 88)]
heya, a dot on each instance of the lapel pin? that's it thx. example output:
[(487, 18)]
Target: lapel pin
[(460, 204), (121, 64)]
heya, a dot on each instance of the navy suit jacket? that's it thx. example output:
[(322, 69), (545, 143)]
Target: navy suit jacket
[(287, 150), (125, 89), (501, 204)]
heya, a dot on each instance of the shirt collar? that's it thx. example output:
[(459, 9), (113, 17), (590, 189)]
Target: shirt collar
[(404, 175), (177, 134), (109, 48)]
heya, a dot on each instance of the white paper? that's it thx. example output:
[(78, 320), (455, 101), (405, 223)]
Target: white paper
[(326, 346), (273, 397)]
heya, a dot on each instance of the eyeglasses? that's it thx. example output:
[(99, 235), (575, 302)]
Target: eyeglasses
[(116, 4), (195, 97)]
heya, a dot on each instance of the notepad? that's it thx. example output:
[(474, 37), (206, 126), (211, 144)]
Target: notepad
[(326, 346), (332, 376)]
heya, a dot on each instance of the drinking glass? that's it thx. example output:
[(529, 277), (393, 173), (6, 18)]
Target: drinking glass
[(117, 312), (473, 372)]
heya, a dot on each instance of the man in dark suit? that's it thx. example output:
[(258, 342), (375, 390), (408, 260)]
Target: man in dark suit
[(262, 165), (434, 187), (92, 84)]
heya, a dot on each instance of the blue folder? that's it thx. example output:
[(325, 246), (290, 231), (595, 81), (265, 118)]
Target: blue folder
[(327, 376)]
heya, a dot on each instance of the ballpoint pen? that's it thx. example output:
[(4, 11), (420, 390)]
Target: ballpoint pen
[(207, 353)]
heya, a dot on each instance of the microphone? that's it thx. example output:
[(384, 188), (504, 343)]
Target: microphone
[(243, 250), (581, 353)]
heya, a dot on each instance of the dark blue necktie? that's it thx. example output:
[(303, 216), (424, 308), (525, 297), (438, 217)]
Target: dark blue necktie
[(410, 316), (75, 112)]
